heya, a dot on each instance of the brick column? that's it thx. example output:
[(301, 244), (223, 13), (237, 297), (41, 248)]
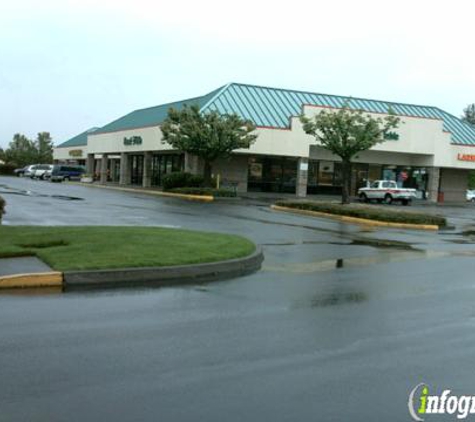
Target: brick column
[(104, 162), (433, 183), (90, 164), (302, 177), (147, 170), (124, 176)]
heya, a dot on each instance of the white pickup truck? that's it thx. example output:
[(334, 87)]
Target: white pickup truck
[(386, 191)]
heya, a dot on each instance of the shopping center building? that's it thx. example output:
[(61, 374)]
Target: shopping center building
[(431, 150)]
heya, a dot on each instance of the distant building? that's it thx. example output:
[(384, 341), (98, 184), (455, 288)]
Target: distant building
[(431, 150)]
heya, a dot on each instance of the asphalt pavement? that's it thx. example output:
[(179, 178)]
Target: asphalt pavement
[(333, 328)]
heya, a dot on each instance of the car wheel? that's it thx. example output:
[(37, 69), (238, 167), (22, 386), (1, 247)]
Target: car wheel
[(66, 179), (364, 198), (388, 199), (473, 199)]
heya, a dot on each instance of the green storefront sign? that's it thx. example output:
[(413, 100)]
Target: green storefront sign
[(391, 136), (133, 140)]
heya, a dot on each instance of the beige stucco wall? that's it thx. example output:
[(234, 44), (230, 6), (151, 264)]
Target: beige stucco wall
[(62, 154), (422, 142), (114, 141), (234, 170), (453, 184)]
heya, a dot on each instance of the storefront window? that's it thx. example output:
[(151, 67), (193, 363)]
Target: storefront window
[(408, 177), (272, 174), (325, 173), (164, 164), (136, 169)]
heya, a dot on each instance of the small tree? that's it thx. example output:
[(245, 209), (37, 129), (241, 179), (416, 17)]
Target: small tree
[(346, 133), (469, 114), (207, 135), (21, 151), (44, 147)]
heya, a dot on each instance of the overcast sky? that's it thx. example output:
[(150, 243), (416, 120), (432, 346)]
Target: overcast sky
[(68, 65)]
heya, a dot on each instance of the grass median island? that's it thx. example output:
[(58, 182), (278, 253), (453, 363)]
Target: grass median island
[(368, 212), (99, 247)]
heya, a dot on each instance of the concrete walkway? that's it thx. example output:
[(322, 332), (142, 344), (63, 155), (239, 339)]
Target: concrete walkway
[(23, 265)]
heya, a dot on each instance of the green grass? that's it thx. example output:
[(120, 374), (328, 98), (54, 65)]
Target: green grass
[(370, 212), (97, 247)]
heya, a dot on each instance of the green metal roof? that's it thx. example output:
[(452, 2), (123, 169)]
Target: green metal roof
[(273, 107), (79, 140), (153, 116)]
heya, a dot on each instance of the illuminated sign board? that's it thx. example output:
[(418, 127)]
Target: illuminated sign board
[(466, 157), (75, 153)]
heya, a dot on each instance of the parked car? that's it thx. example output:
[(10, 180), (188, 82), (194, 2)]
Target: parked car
[(47, 173), (470, 195), (29, 170), (39, 171), (386, 191), (66, 172), (20, 172)]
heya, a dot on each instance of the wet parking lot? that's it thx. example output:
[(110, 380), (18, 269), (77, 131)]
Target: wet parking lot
[(340, 324)]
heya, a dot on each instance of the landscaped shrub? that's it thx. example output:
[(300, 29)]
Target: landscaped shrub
[(181, 180), (2, 207), (369, 212), (222, 193), (7, 169)]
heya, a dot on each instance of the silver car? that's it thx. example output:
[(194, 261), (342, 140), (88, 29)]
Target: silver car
[(40, 170)]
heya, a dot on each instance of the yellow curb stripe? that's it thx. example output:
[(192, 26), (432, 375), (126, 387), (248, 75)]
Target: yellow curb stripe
[(49, 279), (356, 220), (202, 198)]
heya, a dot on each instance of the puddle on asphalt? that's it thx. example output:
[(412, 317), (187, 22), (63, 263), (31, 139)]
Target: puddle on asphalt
[(354, 262), (335, 299), (11, 191), (376, 243)]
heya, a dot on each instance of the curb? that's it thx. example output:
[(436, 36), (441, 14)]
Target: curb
[(356, 220), (49, 279), (177, 275), (200, 198), (165, 276)]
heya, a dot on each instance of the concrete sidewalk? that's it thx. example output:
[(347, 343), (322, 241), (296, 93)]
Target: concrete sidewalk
[(22, 265)]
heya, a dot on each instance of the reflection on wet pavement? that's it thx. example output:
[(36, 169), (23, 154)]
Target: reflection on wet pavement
[(332, 264), (335, 299), (11, 191)]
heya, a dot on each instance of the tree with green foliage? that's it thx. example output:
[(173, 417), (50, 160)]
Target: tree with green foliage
[(208, 135), (23, 151), (469, 114), (44, 146), (471, 179), (347, 132)]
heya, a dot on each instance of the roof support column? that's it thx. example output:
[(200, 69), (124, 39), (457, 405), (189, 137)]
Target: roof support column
[(124, 176), (90, 164), (302, 177), (147, 169), (433, 184), (104, 166)]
